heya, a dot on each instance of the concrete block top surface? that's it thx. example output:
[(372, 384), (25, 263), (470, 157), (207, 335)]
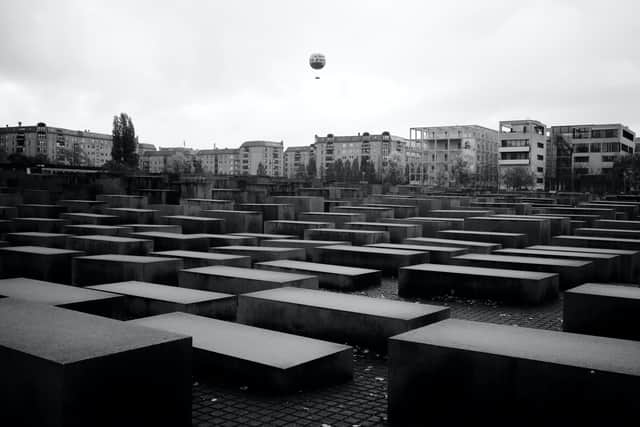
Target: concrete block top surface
[(96, 227), (225, 211), (40, 205), (373, 250), (387, 205), (454, 242), (347, 302), (349, 230), (362, 208), (122, 196), (197, 255), (87, 215), (66, 336), (266, 236), (40, 250), (563, 254), (103, 238), (162, 234), (37, 234), (97, 202), (599, 239), (269, 249), (193, 218), (562, 348), (481, 271), (317, 267), (262, 346), (248, 273), (382, 224), (484, 233), (209, 200), (581, 249), (332, 214), (507, 218), (312, 243), (524, 259), (38, 219), (160, 292), (48, 292), (607, 290), (137, 259), (136, 210), (420, 248), (435, 218), (286, 221)]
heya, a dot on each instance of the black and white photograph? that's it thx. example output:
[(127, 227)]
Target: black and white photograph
[(355, 213)]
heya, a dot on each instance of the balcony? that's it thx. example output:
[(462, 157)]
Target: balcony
[(524, 149), (515, 162)]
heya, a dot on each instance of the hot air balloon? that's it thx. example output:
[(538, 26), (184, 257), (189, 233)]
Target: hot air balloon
[(317, 61)]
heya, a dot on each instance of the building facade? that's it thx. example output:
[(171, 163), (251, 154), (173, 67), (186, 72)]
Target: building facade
[(588, 149), (57, 145), (523, 144), (269, 154), (296, 161), (376, 149), (221, 161), (435, 151)]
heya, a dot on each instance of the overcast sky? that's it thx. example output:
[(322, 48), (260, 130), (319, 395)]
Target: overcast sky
[(224, 72)]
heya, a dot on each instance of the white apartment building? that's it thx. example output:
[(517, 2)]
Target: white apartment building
[(296, 159), (523, 144)]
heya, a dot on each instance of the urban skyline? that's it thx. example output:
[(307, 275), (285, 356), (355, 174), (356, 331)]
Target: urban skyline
[(212, 82)]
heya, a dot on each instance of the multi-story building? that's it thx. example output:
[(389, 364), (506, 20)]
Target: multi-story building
[(296, 160), (221, 161), (523, 144), (143, 159), (57, 145), (169, 159), (434, 151), (375, 149), (588, 149), (269, 154)]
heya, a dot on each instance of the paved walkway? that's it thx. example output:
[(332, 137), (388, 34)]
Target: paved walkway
[(361, 402)]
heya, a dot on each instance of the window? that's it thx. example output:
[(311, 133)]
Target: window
[(540, 157), (540, 180), (608, 158), (581, 159), (582, 148), (540, 169), (515, 143), (595, 148), (611, 147), (540, 145)]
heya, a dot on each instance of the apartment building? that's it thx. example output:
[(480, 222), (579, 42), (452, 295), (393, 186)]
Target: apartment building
[(523, 144), (221, 161), (434, 150), (296, 160), (57, 145), (377, 149), (269, 154), (587, 149)]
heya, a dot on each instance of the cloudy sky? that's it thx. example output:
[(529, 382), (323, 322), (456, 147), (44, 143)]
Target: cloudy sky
[(222, 72)]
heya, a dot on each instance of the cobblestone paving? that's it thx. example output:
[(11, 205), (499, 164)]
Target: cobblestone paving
[(361, 402)]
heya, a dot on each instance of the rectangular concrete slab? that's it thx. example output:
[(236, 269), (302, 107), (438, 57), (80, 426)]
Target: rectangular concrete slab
[(52, 359), (630, 260), (333, 316), (537, 230), (329, 276), (471, 246), (196, 224), (608, 310), (90, 218), (258, 357), (163, 241), (525, 287), (229, 240), (507, 240), (308, 245), (102, 230), (99, 269), (463, 367), (262, 253), (195, 259), (355, 237), (235, 280), (165, 228), (38, 225), (265, 236), (49, 240), (571, 272), (385, 259), (143, 299), (370, 213), (607, 232), (337, 218), (607, 267), (70, 297), (101, 244), (437, 254), (238, 221), (133, 215), (397, 232), (294, 228), (37, 262)]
